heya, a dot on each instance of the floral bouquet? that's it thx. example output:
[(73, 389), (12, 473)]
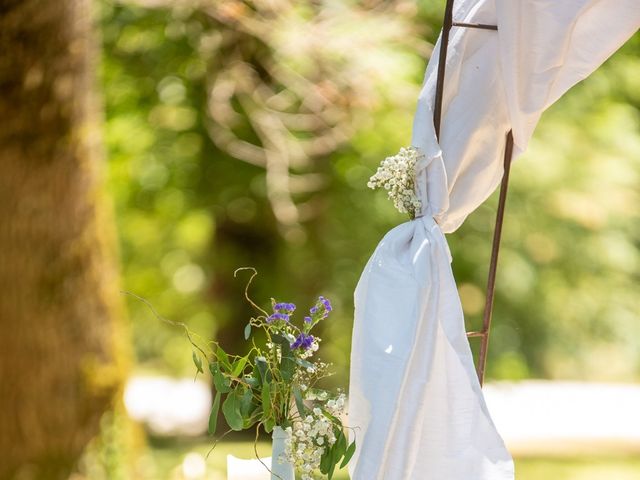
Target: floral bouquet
[(397, 175), (275, 387)]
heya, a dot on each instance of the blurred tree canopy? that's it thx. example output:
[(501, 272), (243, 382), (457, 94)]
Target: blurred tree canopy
[(242, 133)]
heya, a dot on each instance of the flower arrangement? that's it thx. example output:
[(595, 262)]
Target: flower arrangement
[(275, 387), (396, 174)]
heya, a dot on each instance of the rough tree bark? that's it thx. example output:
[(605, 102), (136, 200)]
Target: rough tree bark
[(59, 304)]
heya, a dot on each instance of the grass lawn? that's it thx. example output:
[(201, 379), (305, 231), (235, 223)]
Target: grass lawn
[(164, 462), (579, 468)]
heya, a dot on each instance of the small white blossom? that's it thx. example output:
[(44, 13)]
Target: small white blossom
[(311, 434), (396, 174)]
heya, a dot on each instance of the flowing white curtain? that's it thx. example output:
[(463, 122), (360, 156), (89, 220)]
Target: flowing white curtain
[(414, 399)]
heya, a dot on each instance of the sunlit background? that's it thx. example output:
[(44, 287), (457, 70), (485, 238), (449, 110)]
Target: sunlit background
[(243, 133)]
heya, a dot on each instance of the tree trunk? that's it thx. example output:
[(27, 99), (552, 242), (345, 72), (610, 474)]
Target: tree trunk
[(59, 359)]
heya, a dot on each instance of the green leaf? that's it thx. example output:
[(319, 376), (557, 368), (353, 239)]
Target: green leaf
[(332, 468), (197, 361), (266, 400), (348, 454), (287, 368), (251, 420), (334, 420), (269, 423), (231, 410), (284, 344), (251, 381), (247, 331), (324, 461), (238, 366), (341, 442), (223, 358), (263, 370), (287, 361), (246, 402), (220, 382), (213, 416), (304, 363), (297, 395)]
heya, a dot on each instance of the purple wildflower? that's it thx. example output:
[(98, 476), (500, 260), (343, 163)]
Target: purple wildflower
[(326, 303), (303, 341), (284, 307), (281, 311), (321, 309), (308, 319), (277, 316)]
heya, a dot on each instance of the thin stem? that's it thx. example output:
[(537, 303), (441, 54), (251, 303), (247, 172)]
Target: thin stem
[(216, 441), (166, 320), (255, 449), (246, 288)]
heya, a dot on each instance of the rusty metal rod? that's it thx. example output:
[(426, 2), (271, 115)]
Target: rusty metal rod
[(447, 24), (476, 334), (493, 265)]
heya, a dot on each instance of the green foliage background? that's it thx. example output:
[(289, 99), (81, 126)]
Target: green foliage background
[(189, 213)]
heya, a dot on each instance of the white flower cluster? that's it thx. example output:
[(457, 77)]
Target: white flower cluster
[(311, 395), (396, 174), (336, 406), (309, 376), (310, 436), (312, 349)]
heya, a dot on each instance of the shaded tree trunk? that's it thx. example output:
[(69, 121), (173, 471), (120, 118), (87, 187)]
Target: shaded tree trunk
[(59, 359)]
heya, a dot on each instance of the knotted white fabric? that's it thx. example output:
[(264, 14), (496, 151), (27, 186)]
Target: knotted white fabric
[(414, 398)]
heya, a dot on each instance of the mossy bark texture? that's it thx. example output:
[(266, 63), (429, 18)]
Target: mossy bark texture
[(59, 304)]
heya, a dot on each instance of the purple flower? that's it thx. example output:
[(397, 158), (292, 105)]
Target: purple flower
[(281, 311), (278, 316), (284, 307), (326, 303), (303, 341), (308, 320), (321, 309)]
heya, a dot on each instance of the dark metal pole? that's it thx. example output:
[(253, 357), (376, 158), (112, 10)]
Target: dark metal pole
[(508, 153), (481, 26), (493, 265), (442, 62)]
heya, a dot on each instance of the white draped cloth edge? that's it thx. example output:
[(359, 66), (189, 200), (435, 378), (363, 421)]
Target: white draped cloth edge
[(415, 404)]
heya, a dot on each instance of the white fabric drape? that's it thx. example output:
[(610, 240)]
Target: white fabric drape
[(414, 398)]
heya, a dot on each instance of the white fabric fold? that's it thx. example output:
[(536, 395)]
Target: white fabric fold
[(475, 118), (415, 402), (547, 46)]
